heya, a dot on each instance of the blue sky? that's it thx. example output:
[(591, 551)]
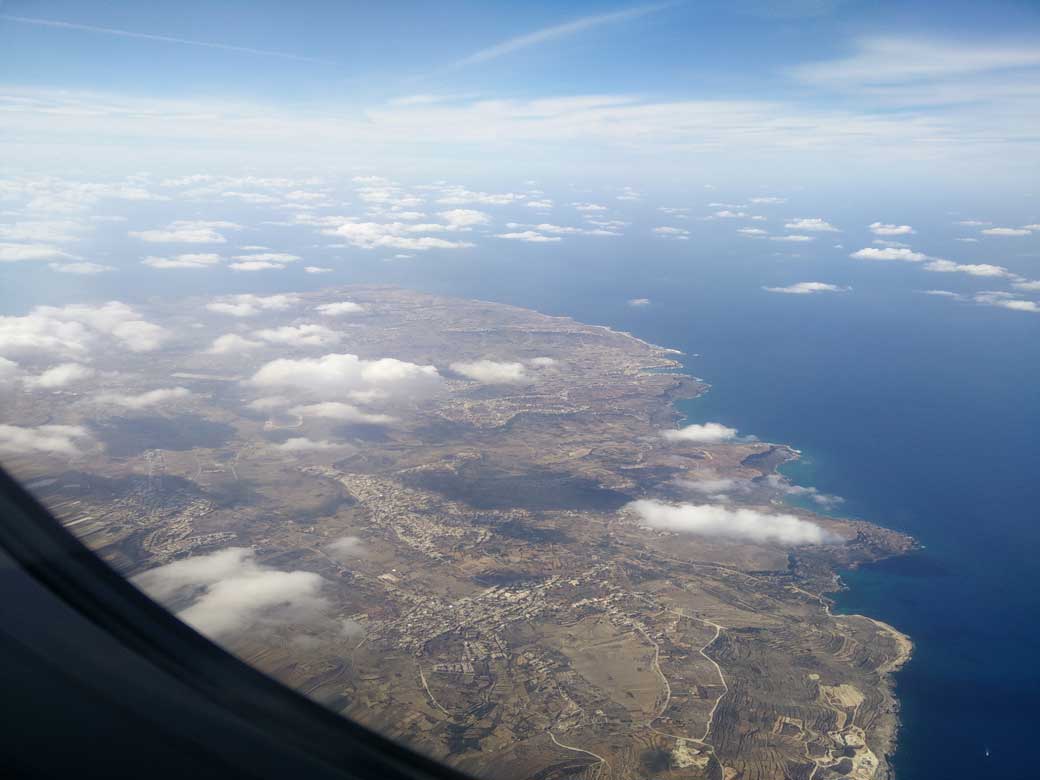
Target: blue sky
[(724, 86)]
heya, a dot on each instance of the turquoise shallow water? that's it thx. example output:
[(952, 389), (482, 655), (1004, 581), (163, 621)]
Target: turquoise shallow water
[(922, 413)]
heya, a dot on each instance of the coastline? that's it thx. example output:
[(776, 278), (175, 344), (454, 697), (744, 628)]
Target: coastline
[(886, 732)]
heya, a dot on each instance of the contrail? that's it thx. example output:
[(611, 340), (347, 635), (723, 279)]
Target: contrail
[(160, 38), (557, 31)]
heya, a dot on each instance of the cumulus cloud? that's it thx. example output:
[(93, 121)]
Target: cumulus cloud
[(231, 343), (529, 236), (144, 400), (492, 372), (232, 593), (340, 308), (306, 335), (767, 201), (1028, 285), (14, 253), (461, 219), (636, 302), (83, 269), (1005, 231), (752, 231), (316, 269), (248, 305), (196, 260), (187, 232), (337, 410), (460, 196), (300, 444), (347, 547), (543, 362), (739, 524), (807, 288), (395, 235), (589, 208), (337, 376), (972, 269), (74, 330), (885, 229), (542, 205), (706, 433), (813, 224), (667, 231), (889, 253), (1005, 300), (794, 238), (61, 375), (42, 439)]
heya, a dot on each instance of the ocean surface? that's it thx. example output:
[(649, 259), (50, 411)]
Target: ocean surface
[(922, 412)]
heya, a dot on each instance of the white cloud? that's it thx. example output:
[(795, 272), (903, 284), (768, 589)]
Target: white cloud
[(1028, 285), (814, 224), (893, 60), (885, 229), (268, 257), (464, 218), (233, 594), (44, 231), (347, 547), (1004, 231), (974, 222), (249, 305), (84, 269), (231, 343), (542, 362), (890, 253), (340, 308), (794, 238), (942, 294), (72, 331), (187, 232), (589, 208), (752, 231), (529, 236), (255, 265), (636, 302), (973, 269), (15, 253), (730, 214), (768, 201), (196, 260), (543, 204), (395, 235), (706, 433), (460, 196), (44, 439), (667, 231), (61, 375), (315, 269), (339, 376), (306, 335), (1030, 306), (740, 524), (303, 444), (492, 372), (807, 288), (337, 410), (144, 400)]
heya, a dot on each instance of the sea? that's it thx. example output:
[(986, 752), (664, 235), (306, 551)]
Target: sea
[(922, 412)]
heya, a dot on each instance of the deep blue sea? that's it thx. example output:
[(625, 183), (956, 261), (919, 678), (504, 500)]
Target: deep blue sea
[(923, 413)]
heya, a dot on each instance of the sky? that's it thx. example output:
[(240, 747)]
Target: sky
[(767, 91)]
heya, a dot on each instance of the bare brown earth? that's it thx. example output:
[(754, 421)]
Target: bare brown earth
[(508, 615)]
